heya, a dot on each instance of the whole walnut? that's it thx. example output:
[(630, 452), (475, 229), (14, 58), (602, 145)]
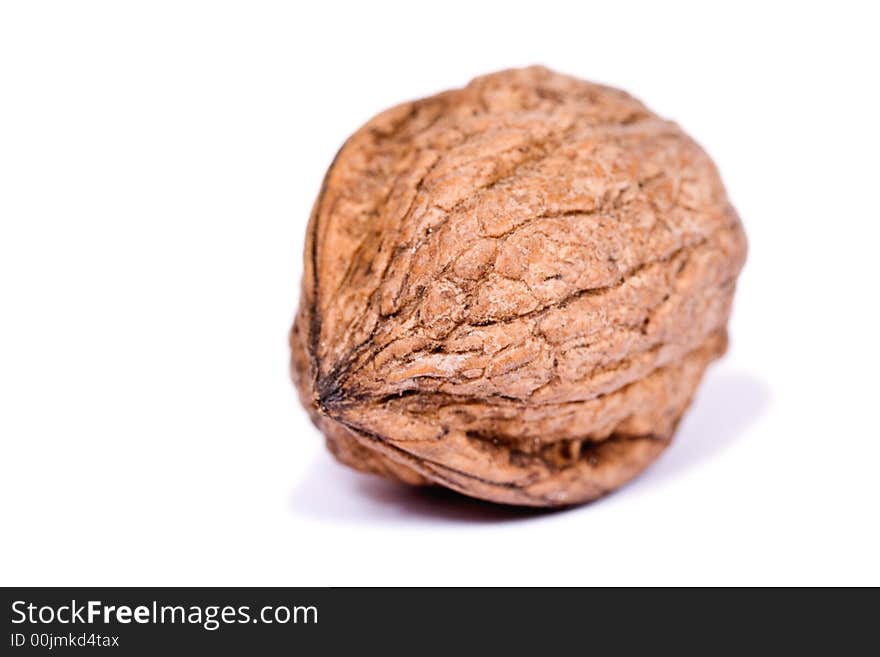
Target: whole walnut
[(513, 289)]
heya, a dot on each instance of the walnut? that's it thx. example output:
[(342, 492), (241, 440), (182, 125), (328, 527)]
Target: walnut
[(513, 289)]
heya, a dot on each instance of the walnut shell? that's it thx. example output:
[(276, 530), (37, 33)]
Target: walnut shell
[(513, 289)]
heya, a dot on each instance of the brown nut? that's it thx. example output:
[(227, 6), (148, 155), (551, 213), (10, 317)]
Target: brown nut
[(513, 289)]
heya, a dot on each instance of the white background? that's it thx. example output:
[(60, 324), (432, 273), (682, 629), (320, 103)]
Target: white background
[(158, 161)]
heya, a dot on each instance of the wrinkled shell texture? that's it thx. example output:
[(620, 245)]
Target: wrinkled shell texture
[(513, 289)]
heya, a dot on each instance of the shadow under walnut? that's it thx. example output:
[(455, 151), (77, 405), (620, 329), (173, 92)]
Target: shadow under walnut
[(513, 289)]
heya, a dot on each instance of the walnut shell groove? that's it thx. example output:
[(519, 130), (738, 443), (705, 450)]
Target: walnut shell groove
[(513, 289)]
